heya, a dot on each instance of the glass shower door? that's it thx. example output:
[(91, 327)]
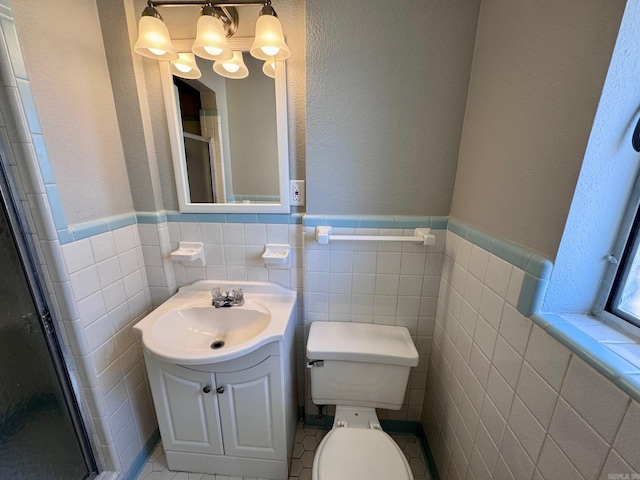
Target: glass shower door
[(38, 436)]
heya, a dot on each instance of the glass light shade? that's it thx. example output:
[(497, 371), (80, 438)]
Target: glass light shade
[(269, 68), (269, 39), (231, 68), (185, 66), (211, 40), (153, 40)]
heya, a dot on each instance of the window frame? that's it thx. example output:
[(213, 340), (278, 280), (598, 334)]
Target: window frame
[(624, 246)]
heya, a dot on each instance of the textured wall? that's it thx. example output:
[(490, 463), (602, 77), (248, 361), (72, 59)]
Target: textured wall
[(538, 70), (66, 62), (608, 173), (387, 85)]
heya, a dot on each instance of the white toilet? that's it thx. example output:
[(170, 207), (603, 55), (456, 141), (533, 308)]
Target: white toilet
[(359, 367)]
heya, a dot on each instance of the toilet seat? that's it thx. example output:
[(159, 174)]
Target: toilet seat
[(359, 453)]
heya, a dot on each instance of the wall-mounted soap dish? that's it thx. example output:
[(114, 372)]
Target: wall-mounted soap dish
[(191, 253), (277, 255)]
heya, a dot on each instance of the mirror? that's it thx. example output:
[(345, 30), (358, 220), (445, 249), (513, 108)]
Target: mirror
[(229, 138)]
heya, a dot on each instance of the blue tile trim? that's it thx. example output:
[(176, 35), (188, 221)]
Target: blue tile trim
[(43, 159), (376, 222), (274, 218), (119, 221), (89, 229), (142, 457), (459, 228), (151, 217), (530, 262), (242, 218), (55, 205), (631, 385), (325, 422), (314, 220), (439, 223), (412, 221), (531, 294), (86, 230), (181, 217), (428, 456), (608, 363), (65, 236), (29, 106), (371, 221), (212, 217)]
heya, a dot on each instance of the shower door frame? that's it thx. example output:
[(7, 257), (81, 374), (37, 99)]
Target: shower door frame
[(16, 218)]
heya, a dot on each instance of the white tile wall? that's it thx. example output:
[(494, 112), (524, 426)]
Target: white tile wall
[(529, 408), (106, 294), (388, 283)]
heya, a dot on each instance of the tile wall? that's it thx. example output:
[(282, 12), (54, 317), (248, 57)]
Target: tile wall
[(389, 283), (504, 399), (105, 295)]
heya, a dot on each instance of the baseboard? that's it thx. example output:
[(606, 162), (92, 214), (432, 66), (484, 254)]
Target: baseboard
[(142, 457)]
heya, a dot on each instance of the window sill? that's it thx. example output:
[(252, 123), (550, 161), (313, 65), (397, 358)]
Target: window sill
[(614, 354)]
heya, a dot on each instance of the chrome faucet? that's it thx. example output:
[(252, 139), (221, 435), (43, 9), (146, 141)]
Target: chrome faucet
[(235, 298)]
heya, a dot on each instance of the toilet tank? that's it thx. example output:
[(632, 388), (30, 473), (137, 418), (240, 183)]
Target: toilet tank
[(359, 364)]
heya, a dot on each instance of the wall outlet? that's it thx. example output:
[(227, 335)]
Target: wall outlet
[(296, 193)]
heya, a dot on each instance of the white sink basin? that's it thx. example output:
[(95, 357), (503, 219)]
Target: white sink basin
[(188, 330)]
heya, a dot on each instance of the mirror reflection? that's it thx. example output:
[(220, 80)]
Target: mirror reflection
[(230, 136)]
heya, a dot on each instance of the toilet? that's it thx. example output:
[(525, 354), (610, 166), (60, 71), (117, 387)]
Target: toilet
[(359, 367)]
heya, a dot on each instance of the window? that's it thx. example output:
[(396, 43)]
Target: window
[(624, 293)]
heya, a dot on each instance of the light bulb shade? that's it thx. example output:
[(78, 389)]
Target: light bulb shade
[(269, 68), (231, 68), (185, 66), (211, 40), (153, 39), (269, 39)]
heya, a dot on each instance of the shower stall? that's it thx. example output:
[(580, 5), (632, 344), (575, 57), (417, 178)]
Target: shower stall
[(42, 435)]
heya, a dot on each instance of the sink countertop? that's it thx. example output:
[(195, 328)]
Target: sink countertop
[(262, 298)]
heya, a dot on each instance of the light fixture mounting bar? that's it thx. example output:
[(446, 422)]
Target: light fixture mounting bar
[(234, 3)]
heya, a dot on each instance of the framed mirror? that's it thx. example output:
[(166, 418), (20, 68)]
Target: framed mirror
[(229, 138)]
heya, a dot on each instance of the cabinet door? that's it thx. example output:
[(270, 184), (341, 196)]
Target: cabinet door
[(187, 408), (251, 411)]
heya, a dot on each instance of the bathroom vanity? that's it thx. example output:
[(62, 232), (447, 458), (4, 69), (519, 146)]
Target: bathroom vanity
[(226, 409)]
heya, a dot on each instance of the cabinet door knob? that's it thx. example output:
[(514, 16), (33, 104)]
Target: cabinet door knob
[(206, 389), (220, 389)]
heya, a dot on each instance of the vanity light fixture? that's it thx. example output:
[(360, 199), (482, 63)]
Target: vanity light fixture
[(217, 22), (211, 37), (269, 68), (185, 66), (153, 36), (269, 39), (233, 67)]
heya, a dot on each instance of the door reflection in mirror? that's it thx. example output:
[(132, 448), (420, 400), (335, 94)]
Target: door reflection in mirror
[(230, 136)]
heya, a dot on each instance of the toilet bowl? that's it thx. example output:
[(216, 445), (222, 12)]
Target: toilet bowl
[(359, 451), (358, 368)]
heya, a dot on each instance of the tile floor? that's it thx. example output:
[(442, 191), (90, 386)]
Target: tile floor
[(306, 441)]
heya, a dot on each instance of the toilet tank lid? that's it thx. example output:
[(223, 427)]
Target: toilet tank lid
[(361, 342)]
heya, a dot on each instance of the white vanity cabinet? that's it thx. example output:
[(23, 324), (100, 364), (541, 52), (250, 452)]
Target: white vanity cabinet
[(186, 407), (232, 418)]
